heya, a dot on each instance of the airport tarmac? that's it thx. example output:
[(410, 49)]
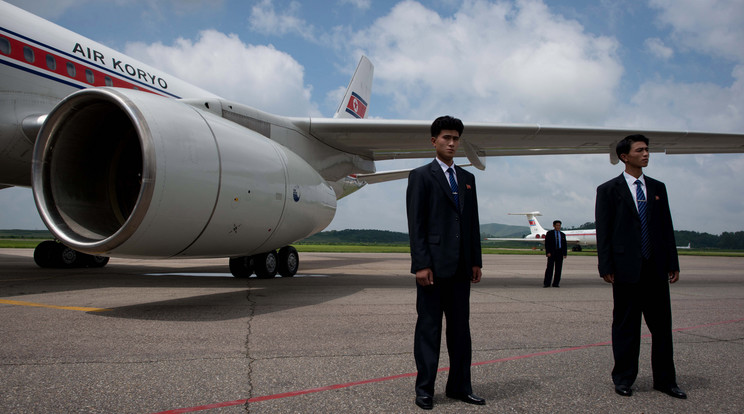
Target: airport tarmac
[(183, 336)]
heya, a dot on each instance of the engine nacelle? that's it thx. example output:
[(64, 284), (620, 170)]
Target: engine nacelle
[(127, 173)]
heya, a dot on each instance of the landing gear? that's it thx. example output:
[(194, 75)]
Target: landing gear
[(267, 265), (50, 254), (289, 261), (576, 248)]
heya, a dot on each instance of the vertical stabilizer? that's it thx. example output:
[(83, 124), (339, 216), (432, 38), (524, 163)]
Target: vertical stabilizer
[(356, 98), (535, 227)]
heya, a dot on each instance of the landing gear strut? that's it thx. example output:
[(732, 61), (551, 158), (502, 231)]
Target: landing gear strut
[(267, 265), (51, 254)]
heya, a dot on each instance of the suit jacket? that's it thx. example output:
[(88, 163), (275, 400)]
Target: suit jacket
[(551, 248), (619, 230), (443, 236)]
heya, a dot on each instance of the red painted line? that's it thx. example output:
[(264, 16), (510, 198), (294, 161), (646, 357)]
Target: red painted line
[(412, 374)]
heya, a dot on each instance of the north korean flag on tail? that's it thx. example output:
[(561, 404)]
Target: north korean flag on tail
[(356, 106)]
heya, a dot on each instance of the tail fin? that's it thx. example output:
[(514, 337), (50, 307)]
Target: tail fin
[(356, 98), (535, 227)]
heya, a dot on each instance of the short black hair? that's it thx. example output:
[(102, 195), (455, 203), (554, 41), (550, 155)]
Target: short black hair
[(623, 147), (446, 122), (557, 222)]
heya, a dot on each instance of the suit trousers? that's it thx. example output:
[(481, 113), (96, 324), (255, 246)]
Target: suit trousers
[(557, 262), (650, 298), (449, 297)]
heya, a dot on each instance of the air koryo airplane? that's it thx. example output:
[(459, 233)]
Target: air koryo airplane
[(575, 238), (125, 160)]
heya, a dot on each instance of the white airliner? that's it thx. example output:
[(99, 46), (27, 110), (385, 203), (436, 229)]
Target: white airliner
[(126, 160), (575, 238)]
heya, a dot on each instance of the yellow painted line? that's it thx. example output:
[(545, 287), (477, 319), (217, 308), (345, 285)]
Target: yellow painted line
[(41, 305)]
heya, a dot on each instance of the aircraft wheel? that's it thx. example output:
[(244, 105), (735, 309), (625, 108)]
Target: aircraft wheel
[(45, 254), (265, 265), (289, 261), (96, 261), (69, 257), (242, 266), (576, 248)]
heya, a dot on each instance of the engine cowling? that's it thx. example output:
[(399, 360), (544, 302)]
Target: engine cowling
[(127, 173)]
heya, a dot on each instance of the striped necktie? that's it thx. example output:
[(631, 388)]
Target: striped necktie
[(645, 239), (453, 185)]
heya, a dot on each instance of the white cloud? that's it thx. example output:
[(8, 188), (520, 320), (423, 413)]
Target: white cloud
[(223, 64), (493, 62), (657, 48), (710, 27), (265, 20), (359, 4)]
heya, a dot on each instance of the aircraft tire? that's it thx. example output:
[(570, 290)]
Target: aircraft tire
[(289, 261), (265, 265), (241, 267), (96, 261), (45, 254)]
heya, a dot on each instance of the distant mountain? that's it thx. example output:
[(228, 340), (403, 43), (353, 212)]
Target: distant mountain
[(351, 236), (503, 230)]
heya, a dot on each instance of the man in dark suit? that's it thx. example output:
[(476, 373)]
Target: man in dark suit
[(556, 251), (444, 233), (638, 255)]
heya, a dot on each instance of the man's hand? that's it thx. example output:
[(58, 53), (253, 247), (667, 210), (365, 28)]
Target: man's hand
[(425, 277), (673, 276), (476, 274), (609, 278)]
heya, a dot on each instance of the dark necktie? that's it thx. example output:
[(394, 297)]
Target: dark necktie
[(645, 240), (558, 239), (453, 185)]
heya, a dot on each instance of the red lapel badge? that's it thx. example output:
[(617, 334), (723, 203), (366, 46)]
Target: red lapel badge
[(467, 186)]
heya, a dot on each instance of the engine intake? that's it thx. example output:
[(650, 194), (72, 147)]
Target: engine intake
[(128, 173)]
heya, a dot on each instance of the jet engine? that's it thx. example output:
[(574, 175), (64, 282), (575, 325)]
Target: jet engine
[(127, 173)]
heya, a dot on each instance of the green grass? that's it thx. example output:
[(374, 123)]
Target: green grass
[(398, 248)]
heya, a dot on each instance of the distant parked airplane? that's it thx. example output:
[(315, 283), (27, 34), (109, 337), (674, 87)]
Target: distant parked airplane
[(577, 238)]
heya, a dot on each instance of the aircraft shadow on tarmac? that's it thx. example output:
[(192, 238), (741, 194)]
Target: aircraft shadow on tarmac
[(250, 296)]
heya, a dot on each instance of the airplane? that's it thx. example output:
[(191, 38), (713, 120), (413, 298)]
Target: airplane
[(125, 160), (576, 238)]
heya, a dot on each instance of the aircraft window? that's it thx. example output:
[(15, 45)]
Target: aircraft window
[(51, 62), (4, 46), (71, 69), (28, 54), (89, 76), (108, 81)]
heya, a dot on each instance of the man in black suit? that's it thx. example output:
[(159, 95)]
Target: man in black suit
[(638, 255), (556, 251), (444, 233)]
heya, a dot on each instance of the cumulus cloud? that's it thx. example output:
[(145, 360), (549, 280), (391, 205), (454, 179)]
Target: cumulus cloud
[(709, 27), (252, 74), (265, 20), (656, 47), (541, 67)]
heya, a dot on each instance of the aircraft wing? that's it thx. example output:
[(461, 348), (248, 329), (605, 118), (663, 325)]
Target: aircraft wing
[(378, 139)]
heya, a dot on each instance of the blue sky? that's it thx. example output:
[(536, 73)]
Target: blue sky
[(657, 64)]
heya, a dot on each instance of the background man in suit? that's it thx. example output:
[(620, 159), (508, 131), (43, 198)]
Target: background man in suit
[(638, 255), (444, 233), (555, 249)]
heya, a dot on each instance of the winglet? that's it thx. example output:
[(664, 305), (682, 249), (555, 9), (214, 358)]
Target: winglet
[(356, 98)]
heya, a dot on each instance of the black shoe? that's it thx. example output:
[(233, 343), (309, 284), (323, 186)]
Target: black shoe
[(427, 403), (673, 391), (546, 286), (469, 398), (623, 390)]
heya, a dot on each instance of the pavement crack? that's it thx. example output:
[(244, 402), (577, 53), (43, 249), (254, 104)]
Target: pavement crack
[(248, 337)]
